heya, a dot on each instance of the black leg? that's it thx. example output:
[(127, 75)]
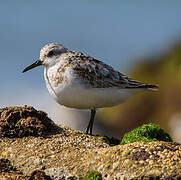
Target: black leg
[(91, 122)]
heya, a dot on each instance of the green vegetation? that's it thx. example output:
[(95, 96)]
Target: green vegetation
[(146, 133), (93, 175)]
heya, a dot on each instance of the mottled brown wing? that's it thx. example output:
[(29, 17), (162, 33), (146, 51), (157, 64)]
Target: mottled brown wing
[(97, 74)]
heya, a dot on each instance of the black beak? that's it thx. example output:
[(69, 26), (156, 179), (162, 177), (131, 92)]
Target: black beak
[(35, 64)]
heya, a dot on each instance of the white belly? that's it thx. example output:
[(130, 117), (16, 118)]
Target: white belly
[(83, 98), (75, 95)]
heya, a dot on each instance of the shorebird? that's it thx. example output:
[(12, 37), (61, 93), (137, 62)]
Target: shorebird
[(77, 80)]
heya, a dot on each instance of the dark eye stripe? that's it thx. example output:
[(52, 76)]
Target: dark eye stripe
[(51, 53)]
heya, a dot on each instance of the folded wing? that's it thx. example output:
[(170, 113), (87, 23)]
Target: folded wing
[(97, 74)]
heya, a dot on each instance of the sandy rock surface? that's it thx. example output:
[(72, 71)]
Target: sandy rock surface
[(58, 152)]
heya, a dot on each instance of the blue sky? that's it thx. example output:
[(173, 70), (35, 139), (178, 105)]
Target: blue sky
[(117, 32)]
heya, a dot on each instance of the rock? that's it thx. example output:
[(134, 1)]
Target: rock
[(5, 165), (64, 153), (13, 176), (25, 121), (36, 175), (39, 175)]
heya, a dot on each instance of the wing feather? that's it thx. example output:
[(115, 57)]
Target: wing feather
[(97, 74)]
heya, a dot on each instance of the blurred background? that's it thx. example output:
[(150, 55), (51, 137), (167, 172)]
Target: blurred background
[(139, 38)]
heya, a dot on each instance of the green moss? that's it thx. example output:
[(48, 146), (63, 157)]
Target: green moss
[(93, 175), (146, 133)]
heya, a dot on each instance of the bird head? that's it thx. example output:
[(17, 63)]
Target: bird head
[(49, 55)]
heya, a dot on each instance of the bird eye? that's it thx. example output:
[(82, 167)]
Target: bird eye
[(51, 53)]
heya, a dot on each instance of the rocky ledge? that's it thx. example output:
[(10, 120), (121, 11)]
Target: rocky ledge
[(33, 147)]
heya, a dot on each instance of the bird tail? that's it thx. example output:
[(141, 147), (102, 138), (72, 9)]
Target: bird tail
[(133, 84), (142, 86), (150, 87)]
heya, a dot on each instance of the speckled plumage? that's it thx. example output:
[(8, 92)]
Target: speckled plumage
[(97, 74)]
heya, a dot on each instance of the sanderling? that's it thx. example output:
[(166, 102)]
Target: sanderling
[(77, 80)]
